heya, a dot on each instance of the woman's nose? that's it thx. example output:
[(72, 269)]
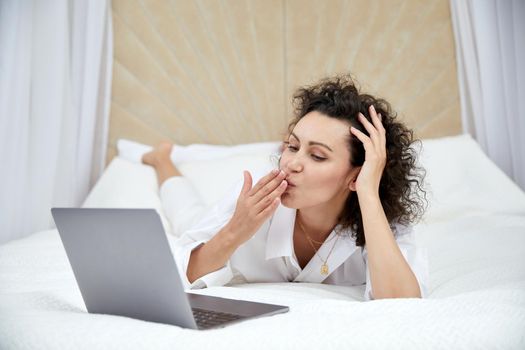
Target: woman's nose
[(294, 164)]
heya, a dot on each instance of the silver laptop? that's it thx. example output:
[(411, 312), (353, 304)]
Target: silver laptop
[(124, 266)]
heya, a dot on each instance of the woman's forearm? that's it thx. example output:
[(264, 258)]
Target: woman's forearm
[(212, 255), (390, 274), (254, 206)]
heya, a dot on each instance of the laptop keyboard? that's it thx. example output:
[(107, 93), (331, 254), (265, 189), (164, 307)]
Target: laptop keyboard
[(208, 318)]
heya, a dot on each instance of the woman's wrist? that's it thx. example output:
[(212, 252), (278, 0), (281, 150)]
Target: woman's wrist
[(212, 255), (368, 196), (228, 238)]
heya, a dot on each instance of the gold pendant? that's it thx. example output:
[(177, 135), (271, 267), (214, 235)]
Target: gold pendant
[(324, 269)]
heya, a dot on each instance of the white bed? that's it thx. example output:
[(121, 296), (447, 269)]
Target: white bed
[(474, 233)]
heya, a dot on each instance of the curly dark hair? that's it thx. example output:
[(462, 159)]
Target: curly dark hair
[(401, 187)]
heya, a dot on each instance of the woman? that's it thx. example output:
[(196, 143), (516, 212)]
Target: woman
[(338, 210)]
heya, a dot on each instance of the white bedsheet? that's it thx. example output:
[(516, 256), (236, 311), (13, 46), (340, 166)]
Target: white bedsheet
[(476, 303), (476, 300)]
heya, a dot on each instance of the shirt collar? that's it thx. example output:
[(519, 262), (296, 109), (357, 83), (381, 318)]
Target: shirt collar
[(280, 244), (280, 234), (341, 250)]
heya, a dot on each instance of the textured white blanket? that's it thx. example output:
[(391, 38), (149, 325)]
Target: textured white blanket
[(477, 301)]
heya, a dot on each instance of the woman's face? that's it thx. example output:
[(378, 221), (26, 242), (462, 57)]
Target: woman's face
[(317, 162)]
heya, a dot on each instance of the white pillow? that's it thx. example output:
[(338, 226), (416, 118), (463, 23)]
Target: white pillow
[(212, 169), (464, 181), (213, 178)]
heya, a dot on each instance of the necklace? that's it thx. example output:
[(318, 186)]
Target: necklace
[(324, 267), (310, 238), (313, 240)]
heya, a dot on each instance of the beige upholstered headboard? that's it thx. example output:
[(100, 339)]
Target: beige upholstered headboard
[(224, 71)]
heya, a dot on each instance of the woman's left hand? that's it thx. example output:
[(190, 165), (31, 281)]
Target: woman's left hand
[(375, 153)]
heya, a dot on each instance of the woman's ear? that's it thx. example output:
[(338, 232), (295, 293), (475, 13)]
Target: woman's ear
[(352, 178)]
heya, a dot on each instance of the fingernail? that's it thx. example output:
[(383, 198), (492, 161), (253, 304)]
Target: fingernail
[(373, 107), (275, 171)]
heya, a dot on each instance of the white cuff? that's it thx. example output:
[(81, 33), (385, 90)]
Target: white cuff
[(368, 289), (216, 278)]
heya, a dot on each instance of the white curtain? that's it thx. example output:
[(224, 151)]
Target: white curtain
[(490, 51), (55, 76)]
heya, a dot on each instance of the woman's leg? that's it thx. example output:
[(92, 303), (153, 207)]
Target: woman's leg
[(160, 160)]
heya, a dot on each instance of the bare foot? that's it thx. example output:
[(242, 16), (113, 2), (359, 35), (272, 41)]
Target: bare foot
[(160, 153)]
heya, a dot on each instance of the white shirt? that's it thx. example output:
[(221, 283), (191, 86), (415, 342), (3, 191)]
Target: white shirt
[(268, 256)]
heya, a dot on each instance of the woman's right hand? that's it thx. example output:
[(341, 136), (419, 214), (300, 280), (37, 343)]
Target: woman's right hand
[(255, 205)]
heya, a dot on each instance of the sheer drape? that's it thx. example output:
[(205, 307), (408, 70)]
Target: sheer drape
[(55, 76), (490, 48)]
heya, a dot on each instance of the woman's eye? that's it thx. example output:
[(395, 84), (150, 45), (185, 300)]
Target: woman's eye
[(295, 149)]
